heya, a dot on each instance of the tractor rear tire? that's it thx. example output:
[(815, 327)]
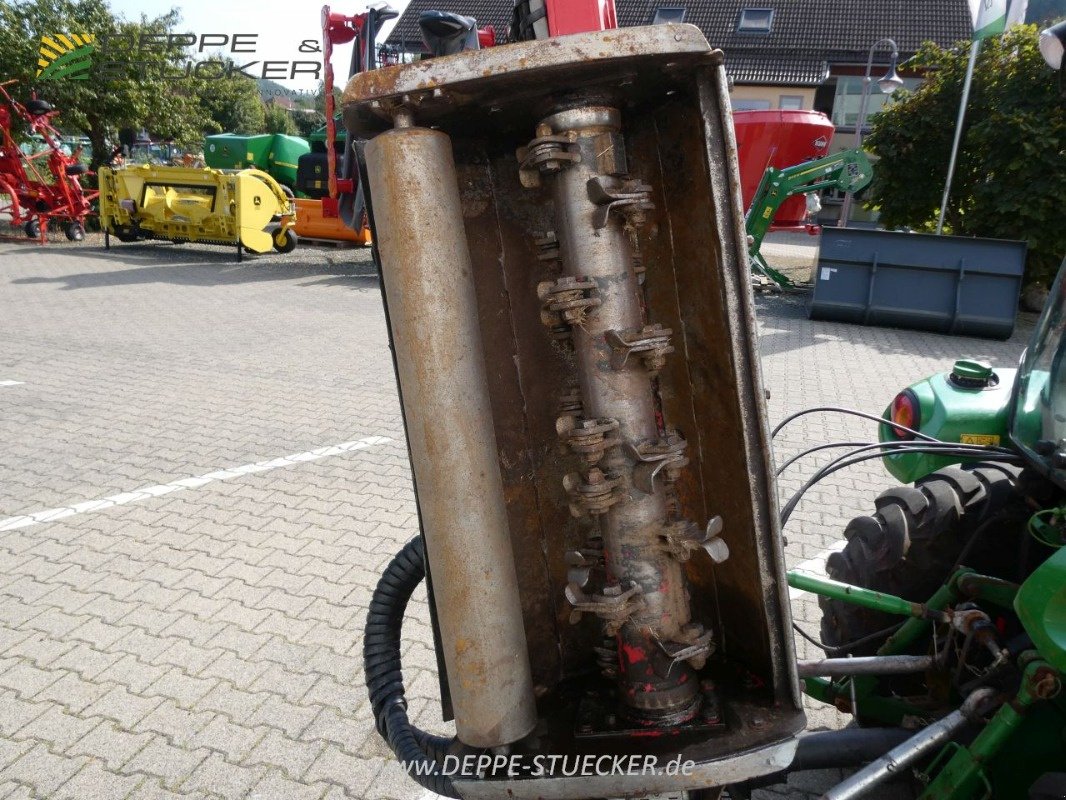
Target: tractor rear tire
[(914, 539)]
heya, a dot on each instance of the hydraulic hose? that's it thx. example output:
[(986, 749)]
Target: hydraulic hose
[(420, 752)]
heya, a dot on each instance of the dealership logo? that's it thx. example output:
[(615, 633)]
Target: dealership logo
[(168, 56), (65, 56)]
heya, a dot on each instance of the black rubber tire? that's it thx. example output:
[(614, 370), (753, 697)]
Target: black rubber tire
[(38, 107), (32, 229), (914, 539), (75, 169), (288, 242), (74, 231)]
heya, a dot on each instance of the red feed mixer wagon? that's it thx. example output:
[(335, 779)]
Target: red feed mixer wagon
[(779, 138), (39, 187)]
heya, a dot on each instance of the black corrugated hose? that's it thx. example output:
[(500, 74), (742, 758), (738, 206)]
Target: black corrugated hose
[(416, 749)]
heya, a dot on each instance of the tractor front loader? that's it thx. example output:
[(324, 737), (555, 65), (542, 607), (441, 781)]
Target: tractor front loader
[(559, 234)]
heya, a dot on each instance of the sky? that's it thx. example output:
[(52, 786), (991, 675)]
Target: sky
[(281, 26)]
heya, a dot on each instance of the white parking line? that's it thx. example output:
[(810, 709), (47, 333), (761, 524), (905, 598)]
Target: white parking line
[(11, 383), (815, 566), (146, 492)]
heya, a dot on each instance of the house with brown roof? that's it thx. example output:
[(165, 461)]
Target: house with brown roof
[(780, 54)]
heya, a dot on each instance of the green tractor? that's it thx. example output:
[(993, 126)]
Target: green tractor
[(944, 615)]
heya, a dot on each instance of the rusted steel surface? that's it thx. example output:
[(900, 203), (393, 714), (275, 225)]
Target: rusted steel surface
[(484, 68), (676, 130), (523, 376), (715, 392), (434, 317), (597, 249)]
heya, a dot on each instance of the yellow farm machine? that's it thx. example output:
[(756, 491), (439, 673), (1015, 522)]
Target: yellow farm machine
[(246, 209)]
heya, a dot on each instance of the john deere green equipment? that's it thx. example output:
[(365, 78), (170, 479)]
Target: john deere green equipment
[(848, 171), (274, 153), (944, 615)]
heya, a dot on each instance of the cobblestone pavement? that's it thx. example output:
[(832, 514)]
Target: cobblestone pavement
[(196, 633)]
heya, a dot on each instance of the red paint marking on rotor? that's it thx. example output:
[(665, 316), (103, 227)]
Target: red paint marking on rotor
[(632, 654)]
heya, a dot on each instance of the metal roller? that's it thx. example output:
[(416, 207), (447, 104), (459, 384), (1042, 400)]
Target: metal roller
[(429, 286), (616, 357)]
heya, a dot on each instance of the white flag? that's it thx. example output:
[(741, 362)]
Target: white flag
[(1016, 15), (991, 19)]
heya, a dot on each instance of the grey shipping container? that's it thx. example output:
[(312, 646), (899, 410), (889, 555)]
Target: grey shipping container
[(948, 284)]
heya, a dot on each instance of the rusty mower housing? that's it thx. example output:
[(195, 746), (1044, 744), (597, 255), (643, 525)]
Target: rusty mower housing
[(558, 228)]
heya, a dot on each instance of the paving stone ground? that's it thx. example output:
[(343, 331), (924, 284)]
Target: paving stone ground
[(205, 641)]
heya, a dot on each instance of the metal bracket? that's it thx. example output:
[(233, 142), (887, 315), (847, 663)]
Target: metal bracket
[(652, 343), (594, 494), (693, 644), (665, 456), (579, 566), (567, 300), (630, 198), (547, 154), (615, 606), (589, 438), (683, 538)]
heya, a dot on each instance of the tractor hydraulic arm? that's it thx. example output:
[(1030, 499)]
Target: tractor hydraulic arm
[(848, 170)]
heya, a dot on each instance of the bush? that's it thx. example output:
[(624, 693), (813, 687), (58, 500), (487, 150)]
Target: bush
[(1009, 182)]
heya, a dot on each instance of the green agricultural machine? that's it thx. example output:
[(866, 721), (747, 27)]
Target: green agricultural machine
[(848, 171), (944, 616), (275, 153)]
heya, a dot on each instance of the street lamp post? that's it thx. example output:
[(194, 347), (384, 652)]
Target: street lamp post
[(888, 84)]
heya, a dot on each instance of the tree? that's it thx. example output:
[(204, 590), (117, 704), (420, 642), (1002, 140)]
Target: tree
[(1045, 11), (131, 86), (233, 105), (279, 120), (308, 121), (1009, 181), (133, 94)]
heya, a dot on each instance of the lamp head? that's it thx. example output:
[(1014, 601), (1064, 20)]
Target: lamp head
[(1053, 44), (1053, 49), (891, 81)]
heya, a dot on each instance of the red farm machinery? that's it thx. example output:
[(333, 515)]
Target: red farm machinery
[(38, 187)]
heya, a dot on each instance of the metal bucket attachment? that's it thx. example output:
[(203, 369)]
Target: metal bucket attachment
[(560, 238)]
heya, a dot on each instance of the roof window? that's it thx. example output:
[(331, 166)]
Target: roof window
[(755, 20), (666, 15)]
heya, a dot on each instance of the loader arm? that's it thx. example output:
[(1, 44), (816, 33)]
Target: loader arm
[(848, 170)]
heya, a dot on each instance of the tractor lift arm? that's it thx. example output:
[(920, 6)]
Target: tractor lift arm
[(848, 170)]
